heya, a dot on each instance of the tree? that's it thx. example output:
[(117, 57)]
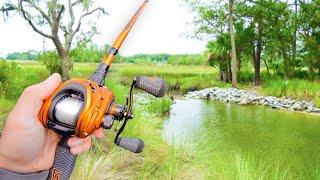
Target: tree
[(234, 62), (218, 51), (255, 12), (54, 16), (310, 33), (212, 22)]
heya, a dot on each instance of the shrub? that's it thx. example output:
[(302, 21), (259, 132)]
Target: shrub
[(52, 61), (160, 106), (8, 73)]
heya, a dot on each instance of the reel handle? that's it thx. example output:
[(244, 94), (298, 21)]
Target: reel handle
[(64, 161), (155, 86), (134, 145)]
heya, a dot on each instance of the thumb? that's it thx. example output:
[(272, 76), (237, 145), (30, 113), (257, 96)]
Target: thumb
[(41, 91), (46, 88), (32, 97)]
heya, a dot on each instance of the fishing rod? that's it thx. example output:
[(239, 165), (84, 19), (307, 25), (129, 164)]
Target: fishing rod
[(78, 107)]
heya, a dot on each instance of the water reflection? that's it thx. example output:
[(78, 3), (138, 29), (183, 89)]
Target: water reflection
[(267, 141), (185, 122)]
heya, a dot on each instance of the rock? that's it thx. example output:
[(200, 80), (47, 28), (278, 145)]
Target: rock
[(297, 107), (243, 97), (315, 110), (244, 101)]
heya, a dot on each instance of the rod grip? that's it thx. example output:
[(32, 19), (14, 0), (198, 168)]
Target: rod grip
[(134, 145), (155, 86), (64, 162)]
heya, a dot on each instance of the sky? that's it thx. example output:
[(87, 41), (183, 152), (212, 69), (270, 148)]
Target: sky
[(160, 29)]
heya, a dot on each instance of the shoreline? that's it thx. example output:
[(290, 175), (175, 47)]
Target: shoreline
[(245, 97)]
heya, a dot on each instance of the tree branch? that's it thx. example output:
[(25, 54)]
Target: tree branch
[(60, 13), (8, 7), (71, 15), (84, 15), (64, 29), (39, 10), (26, 16), (76, 2)]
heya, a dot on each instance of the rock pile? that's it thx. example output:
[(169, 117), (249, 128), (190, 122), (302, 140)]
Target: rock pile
[(244, 97)]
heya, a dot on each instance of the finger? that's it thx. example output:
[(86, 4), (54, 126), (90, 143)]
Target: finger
[(99, 133), (74, 141), (80, 149)]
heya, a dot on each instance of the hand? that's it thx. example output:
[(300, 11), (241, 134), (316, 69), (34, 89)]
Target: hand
[(25, 145)]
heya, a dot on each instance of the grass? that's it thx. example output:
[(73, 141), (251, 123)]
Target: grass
[(296, 88), (160, 160), (104, 160)]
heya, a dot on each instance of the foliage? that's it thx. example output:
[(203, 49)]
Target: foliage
[(281, 36), (51, 61), (186, 59), (84, 52), (140, 58), (182, 59), (9, 71), (160, 106), (31, 55)]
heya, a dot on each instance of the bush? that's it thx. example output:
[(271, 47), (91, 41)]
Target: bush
[(8, 73), (160, 106), (52, 61)]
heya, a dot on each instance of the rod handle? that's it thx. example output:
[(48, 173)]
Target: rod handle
[(64, 162)]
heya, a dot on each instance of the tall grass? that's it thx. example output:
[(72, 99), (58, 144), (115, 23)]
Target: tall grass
[(160, 106), (179, 78), (296, 88)]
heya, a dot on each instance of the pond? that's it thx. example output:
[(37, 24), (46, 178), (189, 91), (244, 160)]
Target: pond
[(245, 142)]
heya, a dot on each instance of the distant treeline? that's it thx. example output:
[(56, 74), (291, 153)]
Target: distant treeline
[(30, 55), (182, 59), (93, 53)]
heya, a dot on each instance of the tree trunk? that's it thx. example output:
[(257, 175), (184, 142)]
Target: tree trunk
[(286, 63), (65, 66), (265, 63), (234, 62), (294, 38), (257, 56), (224, 76), (64, 56), (310, 71)]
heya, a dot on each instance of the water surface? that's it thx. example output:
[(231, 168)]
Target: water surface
[(248, 142)]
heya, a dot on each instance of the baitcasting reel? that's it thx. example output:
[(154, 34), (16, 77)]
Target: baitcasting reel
[(79, 107)]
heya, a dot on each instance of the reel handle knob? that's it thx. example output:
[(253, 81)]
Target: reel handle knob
[(134, 145), (155, 86)]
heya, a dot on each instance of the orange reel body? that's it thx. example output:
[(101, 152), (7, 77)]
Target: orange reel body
[(97, 101)]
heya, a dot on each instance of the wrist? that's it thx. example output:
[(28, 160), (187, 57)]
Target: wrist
[(13, 165)]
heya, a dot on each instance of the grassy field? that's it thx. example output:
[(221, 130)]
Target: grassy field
[(159, 160), (180, 78)]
